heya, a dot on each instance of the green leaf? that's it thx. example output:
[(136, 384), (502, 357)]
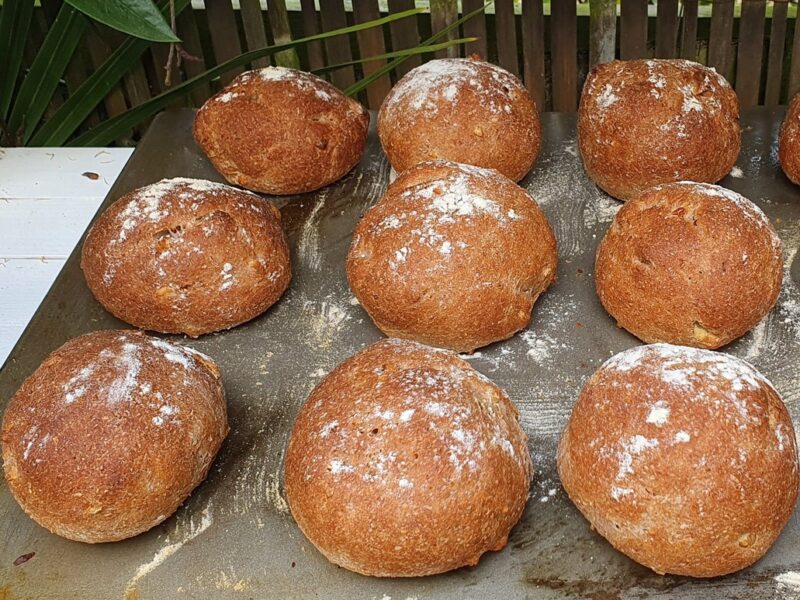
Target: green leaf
[(396, 54), (45, 72), (69, 116), (118, 126), (15, 22), (139, 18), (387, 68)]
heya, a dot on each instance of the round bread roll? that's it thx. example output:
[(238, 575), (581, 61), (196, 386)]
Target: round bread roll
[(281, 131), (111, 434), (452, 256), (789, 141), (689, 263), (461, 109), (683, 459), (405, 461), (187, 256), (646, 122)]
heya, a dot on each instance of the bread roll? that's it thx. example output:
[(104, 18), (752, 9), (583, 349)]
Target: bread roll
[(646, 122), (187, 256), (689, 263), (789, 141), (405, 461), (111, 434), (452, 256), (281, 131), (684, 459), (461, 109)]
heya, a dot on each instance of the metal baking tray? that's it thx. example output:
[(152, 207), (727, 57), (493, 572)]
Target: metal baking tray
[(234, 537)]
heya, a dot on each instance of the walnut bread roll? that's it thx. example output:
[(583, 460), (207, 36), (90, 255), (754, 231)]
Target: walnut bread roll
[(405, 461), (789, 141), (646, 122), (187, 256), (461, 109), (689, 263), (112, 433), (683, 459), (281, 131), (452, 256)]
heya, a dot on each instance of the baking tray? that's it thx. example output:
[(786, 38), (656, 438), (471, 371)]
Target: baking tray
[(235, 538)]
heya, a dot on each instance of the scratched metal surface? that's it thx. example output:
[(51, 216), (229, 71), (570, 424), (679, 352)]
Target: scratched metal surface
[(234, 537)]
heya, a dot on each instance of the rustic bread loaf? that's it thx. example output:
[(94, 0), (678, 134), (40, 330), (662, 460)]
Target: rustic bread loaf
[(111, 434), (684, 459), (789, 141), (689, 263), (187, 256), (405, 461), (281, 131), (461, 109), (646, 122), (452, 256)]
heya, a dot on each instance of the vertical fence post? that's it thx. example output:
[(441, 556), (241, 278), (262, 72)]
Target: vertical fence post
[(533, 50), (666, 28), (602, 31), (564, 38), (405, 34), (476, 27), (719, 42), (370, 43), (751, 50), (337, 48), (689, 30), (777, 39), (506, 33), (633, 29), (444, 13)]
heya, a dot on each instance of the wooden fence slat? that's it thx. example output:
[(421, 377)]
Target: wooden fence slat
[(794, 67), (506, 34), (751, 50), (689, 30), (404, 34), (777, 39), (533, 50), (602, 31), (564, 41), (633, 29), (338, 48), (254, 32), (190, 36), (476, 27), (224, 35), (310, 16), (99, 51), (719, 43), (666, 28), (282, 33), (370, 43), (444, 13)]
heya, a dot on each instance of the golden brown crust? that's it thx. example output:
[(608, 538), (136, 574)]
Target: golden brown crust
[(281, 131), (187, 256), (405, 461), (461, 109), (689, 263), (111, 434), (646, 122), (452, 256), (684, 459), (789, 141)]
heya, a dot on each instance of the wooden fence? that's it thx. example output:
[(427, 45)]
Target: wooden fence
[(548, 45)]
